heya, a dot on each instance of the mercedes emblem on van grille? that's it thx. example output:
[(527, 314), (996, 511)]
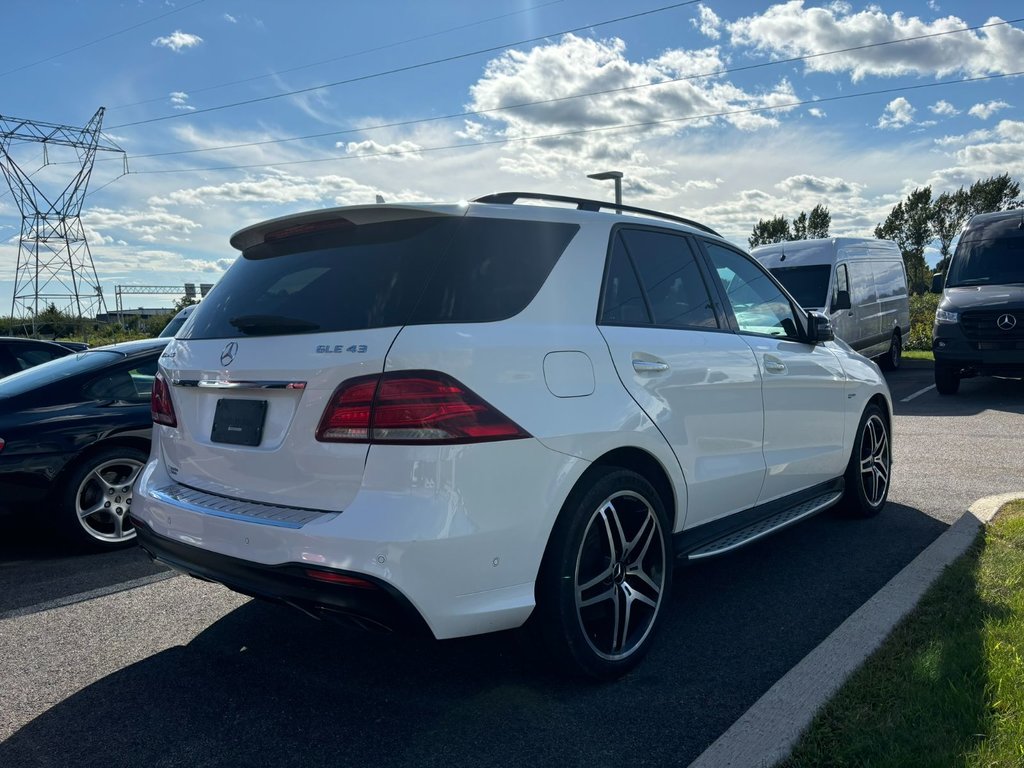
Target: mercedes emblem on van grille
[(228, 355), (1006, 322)]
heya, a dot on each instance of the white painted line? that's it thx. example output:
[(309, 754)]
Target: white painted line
[(917, 394), (90, 595), (767, 732)]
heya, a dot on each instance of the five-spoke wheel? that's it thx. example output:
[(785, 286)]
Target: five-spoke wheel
[(867, 475), (97, 498), (606, 575)]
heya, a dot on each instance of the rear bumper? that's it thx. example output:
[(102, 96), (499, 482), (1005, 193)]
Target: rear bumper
[(457, 550), (367, 601)]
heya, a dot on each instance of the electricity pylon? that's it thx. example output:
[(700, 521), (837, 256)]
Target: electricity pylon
[(55, 265)]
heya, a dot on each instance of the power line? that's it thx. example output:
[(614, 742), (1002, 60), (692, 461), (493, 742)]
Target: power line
[(101, 39), (396, 70), (588, 94), (584, 131), (353, 55)]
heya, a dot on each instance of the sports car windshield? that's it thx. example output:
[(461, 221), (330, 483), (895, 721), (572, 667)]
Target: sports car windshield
[(47, 373)]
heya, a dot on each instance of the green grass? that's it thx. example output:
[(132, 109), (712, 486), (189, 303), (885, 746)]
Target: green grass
[(918, 354), (947, 687)]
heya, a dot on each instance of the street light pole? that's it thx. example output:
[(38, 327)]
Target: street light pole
[(605, 176)]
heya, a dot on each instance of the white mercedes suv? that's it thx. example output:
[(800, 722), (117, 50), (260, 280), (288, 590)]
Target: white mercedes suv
[(473, 417)]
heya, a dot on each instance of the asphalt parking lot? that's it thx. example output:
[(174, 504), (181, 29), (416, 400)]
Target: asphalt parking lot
[(157, 670)]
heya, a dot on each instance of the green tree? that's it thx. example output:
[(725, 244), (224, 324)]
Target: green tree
[(800, 227), (768, 231), (996, 193), (778, 229), (949, 213), (909, 226), (819, 222)]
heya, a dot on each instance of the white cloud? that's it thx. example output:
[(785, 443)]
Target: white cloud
[(230, 19), (985, 111), (404, 150), (818, 185), (789, 29), (898, 114), (943, 107), (179, 100), (630, 92), (815, 112), (177, 41), (708, 23)]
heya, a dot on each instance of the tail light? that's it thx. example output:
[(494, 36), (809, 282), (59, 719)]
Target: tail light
[(160, 405), (412, 407)]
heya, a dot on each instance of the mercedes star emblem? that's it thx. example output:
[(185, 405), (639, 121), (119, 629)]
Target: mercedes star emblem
[(228, 355), (1006, 322)]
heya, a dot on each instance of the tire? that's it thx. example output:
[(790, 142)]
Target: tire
[(94, 501), (947, 380), (606, 577), (891, 360), (869, 471)]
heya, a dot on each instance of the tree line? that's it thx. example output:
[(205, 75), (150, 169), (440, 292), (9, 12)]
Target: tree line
[(913, 223)]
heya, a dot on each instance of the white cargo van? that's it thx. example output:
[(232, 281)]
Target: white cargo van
[(859, 281)]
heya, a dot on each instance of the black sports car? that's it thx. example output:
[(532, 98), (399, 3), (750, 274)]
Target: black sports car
[(74, 433), (18, 353)]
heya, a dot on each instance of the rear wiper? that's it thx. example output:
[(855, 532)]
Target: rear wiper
[(973, 281), (265, 325)]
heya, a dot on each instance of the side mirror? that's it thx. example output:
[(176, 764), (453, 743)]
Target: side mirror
[(842, 301), (938, 282), (819, 328)]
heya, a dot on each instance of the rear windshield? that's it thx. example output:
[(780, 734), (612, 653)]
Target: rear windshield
[(808, 285), (415, 271), (989, 257)]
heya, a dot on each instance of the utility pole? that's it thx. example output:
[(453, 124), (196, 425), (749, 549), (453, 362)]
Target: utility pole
[(55, 265)]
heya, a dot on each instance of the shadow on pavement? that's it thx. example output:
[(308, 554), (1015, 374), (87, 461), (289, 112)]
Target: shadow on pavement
[(267, 686), (36, 567)]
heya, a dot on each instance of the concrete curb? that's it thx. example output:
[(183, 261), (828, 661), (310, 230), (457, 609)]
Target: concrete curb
[(767, 732)]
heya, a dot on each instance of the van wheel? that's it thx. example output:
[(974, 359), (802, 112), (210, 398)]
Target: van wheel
[(606, 577), (892, 358), (947, 379)]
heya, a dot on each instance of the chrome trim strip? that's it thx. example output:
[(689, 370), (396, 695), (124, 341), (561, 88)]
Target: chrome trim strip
[(224, 384)]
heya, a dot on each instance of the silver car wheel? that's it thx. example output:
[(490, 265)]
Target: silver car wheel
[(104, 499), (874, 460), (620, 575)]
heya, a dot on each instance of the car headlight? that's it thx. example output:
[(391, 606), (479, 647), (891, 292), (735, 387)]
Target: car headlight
[(944, 316)]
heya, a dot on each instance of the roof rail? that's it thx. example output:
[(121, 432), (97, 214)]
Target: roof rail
[(583, 204)]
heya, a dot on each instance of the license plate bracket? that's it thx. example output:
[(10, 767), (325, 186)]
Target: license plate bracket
[(239, 422)]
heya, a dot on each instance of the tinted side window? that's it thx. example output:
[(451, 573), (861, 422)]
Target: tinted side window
[(670, 277), (622, 303), (492, 270), (758, 304), (30, 356), (126, 383)]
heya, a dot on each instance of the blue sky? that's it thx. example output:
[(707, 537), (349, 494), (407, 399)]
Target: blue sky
[(733, 110)]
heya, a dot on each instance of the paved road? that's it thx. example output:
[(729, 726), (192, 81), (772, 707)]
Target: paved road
[(178, 672)]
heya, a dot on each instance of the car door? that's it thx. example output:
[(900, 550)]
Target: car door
[(695, 378), (803, 384)]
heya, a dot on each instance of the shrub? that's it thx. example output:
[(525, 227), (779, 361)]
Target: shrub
[(922, 317)]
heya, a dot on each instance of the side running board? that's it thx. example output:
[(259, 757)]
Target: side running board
[(765, 526)]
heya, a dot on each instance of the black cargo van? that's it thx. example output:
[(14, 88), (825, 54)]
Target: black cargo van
[(979, 325)]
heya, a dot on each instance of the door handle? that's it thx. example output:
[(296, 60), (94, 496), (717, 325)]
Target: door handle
[(649, 366), (774, 366)]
